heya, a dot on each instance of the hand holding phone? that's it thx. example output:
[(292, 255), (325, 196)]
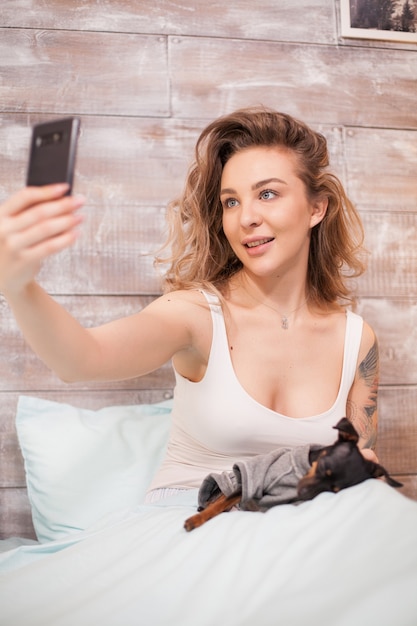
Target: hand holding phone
[(52, 152)]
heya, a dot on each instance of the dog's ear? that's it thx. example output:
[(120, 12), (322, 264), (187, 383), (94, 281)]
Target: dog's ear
[(347, 431), (377, 471)]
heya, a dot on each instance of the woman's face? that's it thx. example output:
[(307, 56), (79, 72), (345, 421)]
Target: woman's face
[(267, 216)]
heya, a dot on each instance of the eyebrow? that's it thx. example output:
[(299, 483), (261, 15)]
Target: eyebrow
[(261, 183)]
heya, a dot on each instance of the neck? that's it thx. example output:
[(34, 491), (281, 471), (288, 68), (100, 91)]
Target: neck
[(283, 295)]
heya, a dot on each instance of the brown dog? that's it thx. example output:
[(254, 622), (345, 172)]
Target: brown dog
[(333, 468)]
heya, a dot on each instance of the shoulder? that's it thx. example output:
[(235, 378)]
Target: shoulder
[(369, 338), (188, 308), (183, 299), (186, 314), (368, 335), (368, 351)]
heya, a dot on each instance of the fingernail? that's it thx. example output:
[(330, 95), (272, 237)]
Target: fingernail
[(79, 199)]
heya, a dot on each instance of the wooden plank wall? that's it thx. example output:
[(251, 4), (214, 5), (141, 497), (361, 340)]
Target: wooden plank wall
[(145, 77)]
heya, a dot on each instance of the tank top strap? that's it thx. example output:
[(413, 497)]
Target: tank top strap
[(219, 348), (211, 298)]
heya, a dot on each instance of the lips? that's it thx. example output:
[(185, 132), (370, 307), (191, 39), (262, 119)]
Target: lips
[(258, 242)]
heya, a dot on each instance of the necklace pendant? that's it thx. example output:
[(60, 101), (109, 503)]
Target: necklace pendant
[(284, 322)]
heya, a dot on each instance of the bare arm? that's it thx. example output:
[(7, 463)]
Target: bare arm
[(362, 402), (37, 222), (121, 349)]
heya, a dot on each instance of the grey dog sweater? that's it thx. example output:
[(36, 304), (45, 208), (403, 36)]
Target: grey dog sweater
[(265, 480)]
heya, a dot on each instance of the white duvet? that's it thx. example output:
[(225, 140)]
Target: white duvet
[(340, 560)]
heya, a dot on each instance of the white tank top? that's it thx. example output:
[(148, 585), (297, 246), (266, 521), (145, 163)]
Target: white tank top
[(215, 422)]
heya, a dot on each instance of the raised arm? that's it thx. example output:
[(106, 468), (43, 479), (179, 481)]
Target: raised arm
[(362, 402), (38, 222)]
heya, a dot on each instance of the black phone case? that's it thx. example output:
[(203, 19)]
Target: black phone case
[(52, 152)]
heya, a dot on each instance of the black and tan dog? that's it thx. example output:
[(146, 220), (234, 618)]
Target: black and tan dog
[(333, 468)]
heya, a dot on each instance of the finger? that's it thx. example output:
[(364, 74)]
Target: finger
[(30, 196), (34, 256), (369, 455), (42, 232), (45, 211), (54, 244)]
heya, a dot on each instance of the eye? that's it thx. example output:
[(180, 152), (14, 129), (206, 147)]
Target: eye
[(230, 203), (268, 194)]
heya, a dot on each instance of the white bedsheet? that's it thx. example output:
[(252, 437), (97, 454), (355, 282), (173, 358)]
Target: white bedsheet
[(340, 560)]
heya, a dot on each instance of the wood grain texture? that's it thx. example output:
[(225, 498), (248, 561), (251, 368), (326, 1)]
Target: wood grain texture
[(311, 82), (114, 255), (15, 514), (397, 433), (267, 20), (392, 265), (381, 167), (124, 74), (410, 486), (395, 324)]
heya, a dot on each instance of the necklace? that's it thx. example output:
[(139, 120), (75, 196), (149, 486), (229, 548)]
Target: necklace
[(284, 316)]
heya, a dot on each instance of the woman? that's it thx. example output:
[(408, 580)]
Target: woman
[(265, 354)]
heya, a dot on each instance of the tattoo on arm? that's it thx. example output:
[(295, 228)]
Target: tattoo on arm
[(363, 416), (368, 369)]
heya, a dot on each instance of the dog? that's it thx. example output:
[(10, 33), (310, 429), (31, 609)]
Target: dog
[(333, 468)]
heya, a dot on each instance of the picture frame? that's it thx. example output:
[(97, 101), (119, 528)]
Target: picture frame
[(377, 20)]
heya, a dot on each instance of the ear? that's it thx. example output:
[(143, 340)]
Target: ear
[(319, 210), (347, 431)]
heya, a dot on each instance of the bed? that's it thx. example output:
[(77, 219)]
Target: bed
[(103, 557)]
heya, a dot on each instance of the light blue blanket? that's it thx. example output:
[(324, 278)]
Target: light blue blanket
[(340, 560)]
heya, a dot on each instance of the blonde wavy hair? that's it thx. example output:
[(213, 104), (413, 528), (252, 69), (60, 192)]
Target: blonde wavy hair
[(199, 253)]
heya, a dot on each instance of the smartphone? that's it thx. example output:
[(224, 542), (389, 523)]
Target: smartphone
[(52, 152)]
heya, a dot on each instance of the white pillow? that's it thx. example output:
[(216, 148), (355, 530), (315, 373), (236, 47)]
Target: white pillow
[(82, 464)]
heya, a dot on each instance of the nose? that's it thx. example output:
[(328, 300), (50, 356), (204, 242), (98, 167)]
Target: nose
[(250, 215)]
